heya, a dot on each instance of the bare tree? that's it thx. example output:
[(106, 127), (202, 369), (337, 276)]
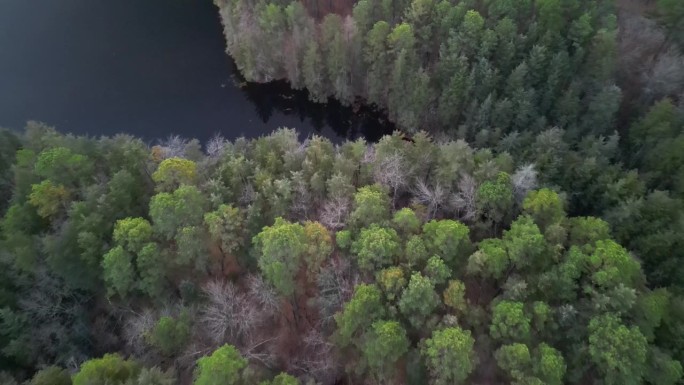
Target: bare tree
[(301, 196), (54, 317), (524, 180), (369, 155), (195, 350), (214, 187), (173, 147), (463, 202), (136, 326), (263, 294), (433, 197), (335, 212), (317, 358), (248, 194), (665, 77), (227, 316), (261, 350), (650, 66), (336, 285), (216, 146), (390, 171)]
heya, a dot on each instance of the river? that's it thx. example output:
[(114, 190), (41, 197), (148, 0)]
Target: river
[(151, 68)]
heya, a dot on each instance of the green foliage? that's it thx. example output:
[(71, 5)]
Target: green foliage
[(170, 335), (542, 314), (319, 246), (659, 247), (51, 375), (449, 355), (415, 251), (280, 249), (612, 265), (418, 300), (509, 322), (152, 270), (174, 172), (191, 244), (119, 275), (383, 346), (343, 239), (454, 296), (662, 369), (490, 260), (376, 247), (7, 379), (671, 13), (391, 281), (227, 226), (172, 211), (549, 365), (154, 376), (223, 367), (48, 199), (657, 139), (514, 359), (544, 206), (82, 218), (437, 271), (132, 233), (448, 239), (650, 310), (371, 206), (9, 144), (617, 351), (312, 68), (111, 369), (282, 379), (375, 54), (406, 222), (525, 244), (62, 166), (363, 308), (587, 230), (495, 198)]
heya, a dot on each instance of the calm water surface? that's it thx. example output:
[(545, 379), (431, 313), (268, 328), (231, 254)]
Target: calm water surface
[(151, 68)]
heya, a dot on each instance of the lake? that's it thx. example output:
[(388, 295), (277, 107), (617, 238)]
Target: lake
[(151, 68)]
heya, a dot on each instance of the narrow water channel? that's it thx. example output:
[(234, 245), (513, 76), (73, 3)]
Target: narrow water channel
[(151, 68)]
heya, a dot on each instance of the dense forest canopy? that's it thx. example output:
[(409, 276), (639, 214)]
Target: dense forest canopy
[(529, 231), (482, 70), (398, 262)]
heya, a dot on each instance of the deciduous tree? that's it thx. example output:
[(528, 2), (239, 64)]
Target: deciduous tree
[(280, 250), (376, 247), (617, 351), (383, 346), (418, 300), (363, 308), (223, 367), (170, 212), (545, 207), (174, 172), (371, 205), (449, 355), (110, 369), (448, 239), (509, 322)]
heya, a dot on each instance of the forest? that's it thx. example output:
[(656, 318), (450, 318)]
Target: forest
[(526, 226)]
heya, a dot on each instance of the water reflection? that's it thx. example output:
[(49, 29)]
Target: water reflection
[(150, 68), (347, 122)]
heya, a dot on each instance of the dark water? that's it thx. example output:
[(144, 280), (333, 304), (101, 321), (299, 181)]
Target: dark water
[(150, 68)]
